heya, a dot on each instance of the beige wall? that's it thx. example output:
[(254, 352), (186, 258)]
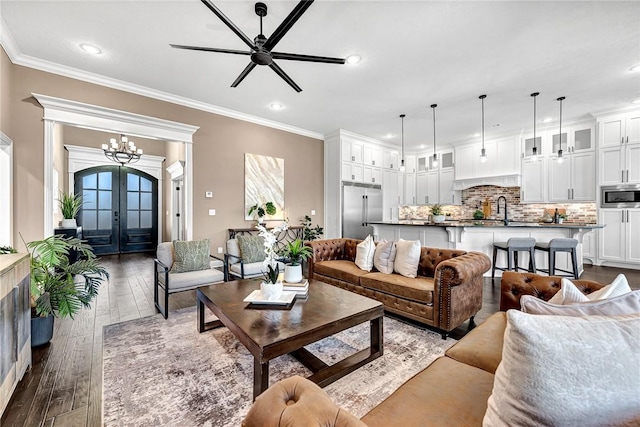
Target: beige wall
[(218, 155), (5, 92)]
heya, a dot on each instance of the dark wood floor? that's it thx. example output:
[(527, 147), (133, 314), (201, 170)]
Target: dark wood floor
[(64, 385)]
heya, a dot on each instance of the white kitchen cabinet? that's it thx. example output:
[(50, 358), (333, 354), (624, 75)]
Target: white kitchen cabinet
[(372, 175), (391, 160), (433, 187), (410, 164), (503, 158), (352, 172), (619, 154), (465, 161), (422, 163), (421, 188), (372, 156), (410, 189), (391, 193), (446, 159), (619, 129), (533, 189), (540, 144), (445, 188), (619, 240), (352, 150), (573, 180)]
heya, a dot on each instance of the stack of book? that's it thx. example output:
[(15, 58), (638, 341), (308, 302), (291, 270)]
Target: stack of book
[(301, 288)]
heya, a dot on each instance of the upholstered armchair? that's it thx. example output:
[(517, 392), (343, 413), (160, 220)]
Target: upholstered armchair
[(244, 258), (172, 279)]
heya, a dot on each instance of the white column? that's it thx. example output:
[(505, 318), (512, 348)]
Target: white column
[(48, 177)]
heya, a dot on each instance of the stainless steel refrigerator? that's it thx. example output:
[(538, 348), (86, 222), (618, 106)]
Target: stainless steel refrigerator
[(361, 204)]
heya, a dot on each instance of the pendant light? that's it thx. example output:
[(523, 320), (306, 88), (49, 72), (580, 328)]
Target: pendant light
[(483, 153), (560, 158), (402, 116), (534, 151), (434, 163)]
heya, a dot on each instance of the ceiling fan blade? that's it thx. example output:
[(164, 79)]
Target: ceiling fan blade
[(308, 58), (288, 22), (243, 74), (228, 23), (284, 76), (210, 49)]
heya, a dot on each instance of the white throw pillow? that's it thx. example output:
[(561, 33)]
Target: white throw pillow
[(407, 257), (570, 294), (364, 254), (628, 303), (567, 371), (384, 256)]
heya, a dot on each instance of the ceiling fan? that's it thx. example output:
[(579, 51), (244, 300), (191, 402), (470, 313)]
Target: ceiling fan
[(261, 47)]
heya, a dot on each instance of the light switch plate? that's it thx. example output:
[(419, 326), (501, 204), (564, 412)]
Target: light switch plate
[(212, 212), (208, 194), (313, 211), (219, 249)]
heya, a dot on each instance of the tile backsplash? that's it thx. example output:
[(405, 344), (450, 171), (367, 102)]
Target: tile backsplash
[(473, 198)]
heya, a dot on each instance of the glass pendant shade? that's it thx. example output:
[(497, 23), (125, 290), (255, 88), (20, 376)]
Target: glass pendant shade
[(434, 163), (560, 158), (534, 151), (483, 153), (402, 168)]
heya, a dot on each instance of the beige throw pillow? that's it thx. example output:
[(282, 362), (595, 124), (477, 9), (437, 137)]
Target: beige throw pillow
[(567, 371), (628, 303), (407, 257), (384, 256), (570, 294), (364, 254)]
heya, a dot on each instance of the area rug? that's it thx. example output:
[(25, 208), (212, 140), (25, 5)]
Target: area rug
[(159, 372)]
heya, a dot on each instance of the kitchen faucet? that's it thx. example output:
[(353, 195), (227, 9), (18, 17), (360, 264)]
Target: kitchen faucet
[(506, 220)]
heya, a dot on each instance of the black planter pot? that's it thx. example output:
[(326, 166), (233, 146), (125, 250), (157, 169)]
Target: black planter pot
[(41, 330)]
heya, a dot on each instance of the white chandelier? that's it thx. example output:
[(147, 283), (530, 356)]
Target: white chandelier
[(122, 152)]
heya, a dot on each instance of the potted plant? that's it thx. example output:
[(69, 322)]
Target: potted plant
[(309, 232), (297, 252), (271, 286), (260, 210), (70, 205), (60, 288), (437, 213), (562, 217), (7, 250)]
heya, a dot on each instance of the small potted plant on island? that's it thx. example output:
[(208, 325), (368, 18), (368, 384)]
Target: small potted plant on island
[(60, 288), (437, 214), (70, 205), (296, 252), (259, 211)]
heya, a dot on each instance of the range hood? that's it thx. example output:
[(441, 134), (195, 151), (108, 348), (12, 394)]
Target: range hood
[(512, 180)]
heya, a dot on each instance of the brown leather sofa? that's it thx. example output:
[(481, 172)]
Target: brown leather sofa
[(451, 391), (446, 292)]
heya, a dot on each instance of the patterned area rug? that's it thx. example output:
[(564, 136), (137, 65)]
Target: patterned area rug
[(160, 372)]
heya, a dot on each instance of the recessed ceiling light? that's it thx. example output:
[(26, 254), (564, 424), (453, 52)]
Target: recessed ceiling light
[(389, 135), (635, 68), (94, 50), (276, 106), (547, 120), (475, 134), (636, 101), (353, 59), (497, 125), (421, 145)]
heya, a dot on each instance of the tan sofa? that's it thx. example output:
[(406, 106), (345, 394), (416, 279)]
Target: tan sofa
[(446, 292), (452, 391)]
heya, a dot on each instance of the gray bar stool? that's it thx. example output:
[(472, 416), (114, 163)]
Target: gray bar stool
[(560, 245), (512, 247)]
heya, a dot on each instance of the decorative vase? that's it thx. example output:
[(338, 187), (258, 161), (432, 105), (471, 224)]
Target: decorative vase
[(560, 220), (293, 273), (271, 291), (260, 220), (438, 218), (68, 223), (41, 330)]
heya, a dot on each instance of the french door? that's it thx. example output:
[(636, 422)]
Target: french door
[(120, 209)]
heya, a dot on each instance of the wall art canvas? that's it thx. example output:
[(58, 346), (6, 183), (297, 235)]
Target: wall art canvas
[(264, 182)]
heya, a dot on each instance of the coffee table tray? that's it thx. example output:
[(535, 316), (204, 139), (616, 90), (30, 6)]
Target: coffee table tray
[(256, 297)]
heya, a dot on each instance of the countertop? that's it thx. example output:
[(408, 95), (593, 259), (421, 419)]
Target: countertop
[(486, 224)]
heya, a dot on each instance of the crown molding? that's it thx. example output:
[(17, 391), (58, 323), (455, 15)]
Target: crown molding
[(17, 58)]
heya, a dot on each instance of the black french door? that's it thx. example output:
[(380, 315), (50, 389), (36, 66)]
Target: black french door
[(120, 209)]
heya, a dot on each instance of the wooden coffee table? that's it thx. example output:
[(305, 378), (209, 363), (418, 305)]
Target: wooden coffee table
[(271, 332)]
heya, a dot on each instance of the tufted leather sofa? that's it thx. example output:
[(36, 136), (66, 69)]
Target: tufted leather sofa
[(446, 292), (451, 391)]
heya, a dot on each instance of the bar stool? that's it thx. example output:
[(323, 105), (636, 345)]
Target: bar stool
[(512, 247), (560, 245)]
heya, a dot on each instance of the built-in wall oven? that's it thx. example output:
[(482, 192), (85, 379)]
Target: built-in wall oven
[(620, 196)]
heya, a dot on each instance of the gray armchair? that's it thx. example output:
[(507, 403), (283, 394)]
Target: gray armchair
[(177, 282)]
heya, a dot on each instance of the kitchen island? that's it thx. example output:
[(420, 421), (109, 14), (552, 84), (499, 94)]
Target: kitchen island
[(480, 235)]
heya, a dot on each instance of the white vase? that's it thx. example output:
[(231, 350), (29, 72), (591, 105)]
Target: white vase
[(260, 220), (293, 273), (438, 218), (68, 223), (271, 291)]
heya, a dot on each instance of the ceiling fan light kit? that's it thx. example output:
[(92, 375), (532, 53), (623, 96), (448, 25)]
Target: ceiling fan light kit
[(261, 52)]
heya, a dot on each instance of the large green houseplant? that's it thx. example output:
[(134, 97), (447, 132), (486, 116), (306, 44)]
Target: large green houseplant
[(60, 288)]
